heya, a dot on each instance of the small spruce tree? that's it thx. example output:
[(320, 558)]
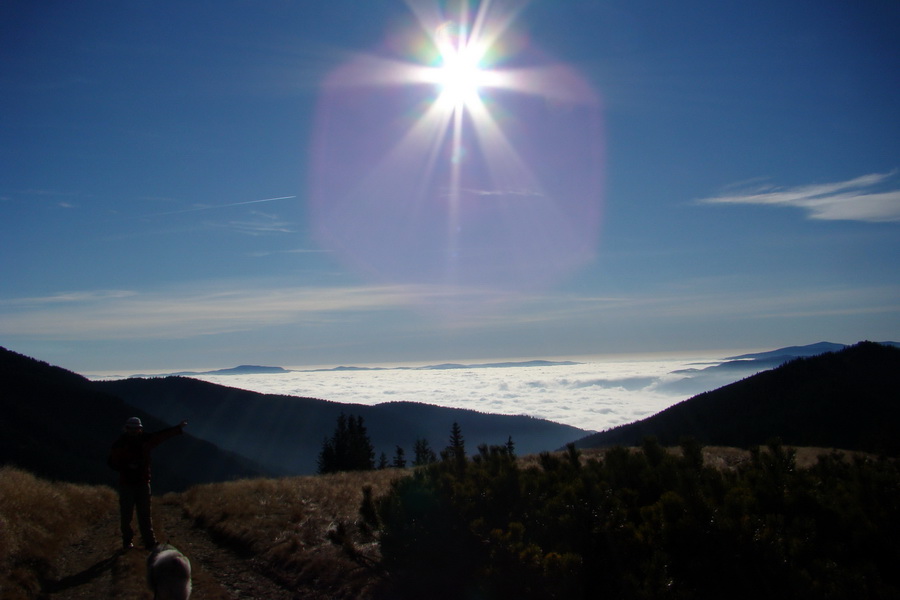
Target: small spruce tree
[(456, 451), (399, 459), (424, 455)]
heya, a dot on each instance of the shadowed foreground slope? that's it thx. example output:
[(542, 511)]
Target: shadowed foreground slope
[(56, 425), (845, 399)]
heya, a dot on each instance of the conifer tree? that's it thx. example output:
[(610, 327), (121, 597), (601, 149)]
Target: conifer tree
[(424, 455), (348, 449), (456, 451), (326, 461), (457, 442), (361, 452), (510, 446), (399, 459)]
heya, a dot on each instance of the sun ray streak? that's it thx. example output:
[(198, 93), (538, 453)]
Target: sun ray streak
[(366, 70), (555, 82), (508, 170), (453, 221), (427, 131)]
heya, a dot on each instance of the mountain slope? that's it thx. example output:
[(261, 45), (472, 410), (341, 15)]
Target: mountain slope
[(846, 399), (696, 380), (56, 425), (792, 351), (285, 433)]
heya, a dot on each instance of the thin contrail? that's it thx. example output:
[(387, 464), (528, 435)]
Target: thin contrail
[(187, 210)]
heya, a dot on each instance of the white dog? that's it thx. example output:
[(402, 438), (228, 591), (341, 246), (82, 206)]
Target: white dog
[(169, 573)]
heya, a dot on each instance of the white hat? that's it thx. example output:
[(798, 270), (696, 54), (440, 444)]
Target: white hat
[(133, 423)]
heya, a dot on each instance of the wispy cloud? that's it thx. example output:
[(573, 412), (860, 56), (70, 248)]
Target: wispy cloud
[(64, 298), (663, 305), (859, 199), (60, 199), (260, 223), (185, 313), (264, 253), (417, 312), (255, 221), (205, 207)]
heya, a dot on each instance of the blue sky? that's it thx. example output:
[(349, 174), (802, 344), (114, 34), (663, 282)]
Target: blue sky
[(204, 184)]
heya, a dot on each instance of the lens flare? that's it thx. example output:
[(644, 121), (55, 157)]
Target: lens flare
[(447, 168), (459, 75)]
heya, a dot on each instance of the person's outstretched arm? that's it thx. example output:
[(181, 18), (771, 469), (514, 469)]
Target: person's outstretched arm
[(162, 435)]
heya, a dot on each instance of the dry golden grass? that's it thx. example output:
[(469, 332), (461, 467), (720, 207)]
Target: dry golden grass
[(37, 519), (299, 529)]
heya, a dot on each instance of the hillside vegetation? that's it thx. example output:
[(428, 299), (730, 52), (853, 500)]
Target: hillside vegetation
[(645, 524)]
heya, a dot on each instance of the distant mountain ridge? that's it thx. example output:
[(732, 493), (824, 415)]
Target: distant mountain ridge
[(500, 365), (263, 370), (845, 399), (451, 366), (794, 351), (743, 362), (239, 370)]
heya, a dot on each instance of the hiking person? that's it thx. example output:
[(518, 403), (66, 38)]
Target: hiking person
[(130, 456)]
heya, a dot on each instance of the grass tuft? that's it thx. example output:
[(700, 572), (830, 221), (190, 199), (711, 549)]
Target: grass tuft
[(299, 529), (37, 519)]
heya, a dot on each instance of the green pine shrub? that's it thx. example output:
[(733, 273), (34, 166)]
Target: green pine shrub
[(645, 523)]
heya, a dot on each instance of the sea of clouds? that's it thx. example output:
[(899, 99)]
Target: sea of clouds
[(593, 394)]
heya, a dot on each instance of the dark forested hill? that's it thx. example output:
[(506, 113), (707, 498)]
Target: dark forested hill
[(848, 399), (55, 424), (286, 432)]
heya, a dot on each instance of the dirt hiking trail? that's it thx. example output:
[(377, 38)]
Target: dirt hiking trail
[(96, 568)]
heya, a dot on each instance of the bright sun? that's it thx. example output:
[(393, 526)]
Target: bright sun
[(459, 75)]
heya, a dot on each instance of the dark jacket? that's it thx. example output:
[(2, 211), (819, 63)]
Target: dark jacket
[(130, 454)]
